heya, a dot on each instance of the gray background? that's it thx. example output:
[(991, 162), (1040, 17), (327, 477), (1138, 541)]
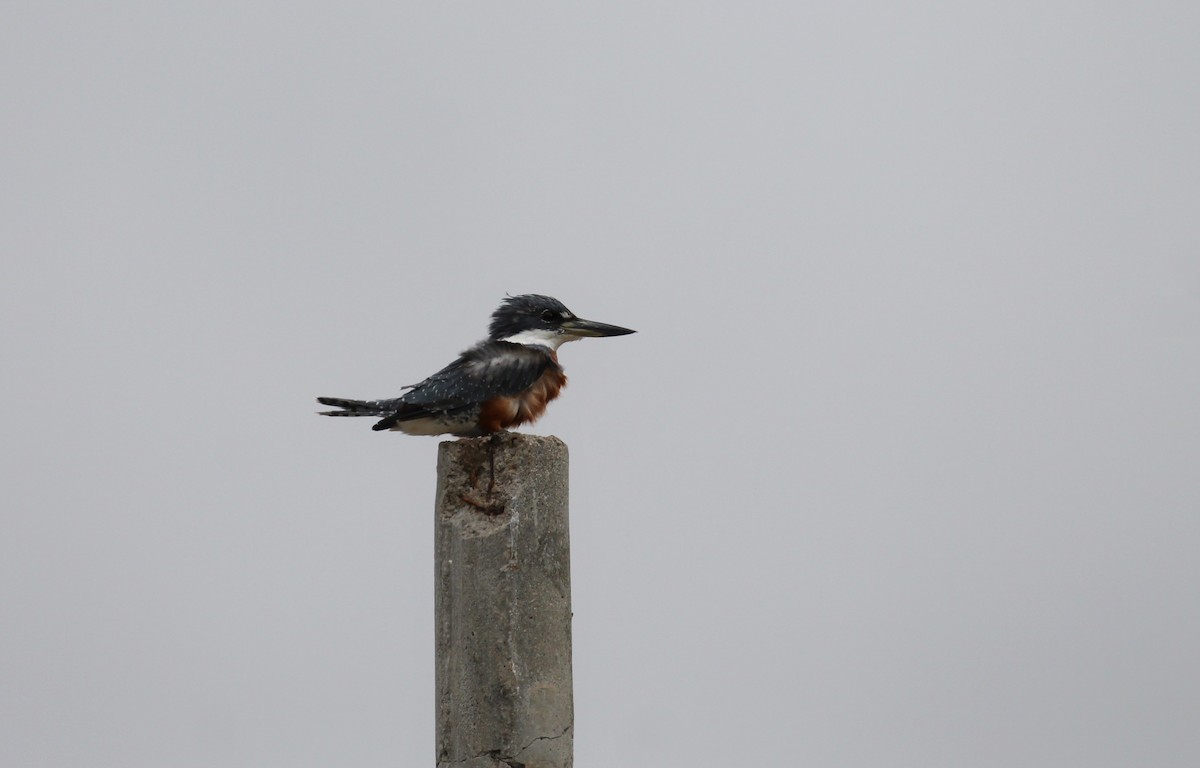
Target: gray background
[(901, 469)]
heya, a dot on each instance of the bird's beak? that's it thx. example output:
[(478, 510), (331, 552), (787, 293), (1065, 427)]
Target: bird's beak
[(583, 328)]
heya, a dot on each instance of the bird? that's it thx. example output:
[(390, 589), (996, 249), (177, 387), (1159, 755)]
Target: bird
[(499, 383)]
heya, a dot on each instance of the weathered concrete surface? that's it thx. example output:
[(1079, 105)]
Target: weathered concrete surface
[(503, 604)]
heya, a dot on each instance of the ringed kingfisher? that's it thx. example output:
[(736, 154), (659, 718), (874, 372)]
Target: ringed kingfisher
[(501, 382)]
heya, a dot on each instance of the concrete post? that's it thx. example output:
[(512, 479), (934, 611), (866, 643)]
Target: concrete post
[(503, 604)]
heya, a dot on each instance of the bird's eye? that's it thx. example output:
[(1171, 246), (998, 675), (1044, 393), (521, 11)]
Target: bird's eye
[(549, 315)]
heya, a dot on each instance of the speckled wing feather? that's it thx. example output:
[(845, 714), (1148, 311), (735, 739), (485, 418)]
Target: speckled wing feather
[(489, 369)]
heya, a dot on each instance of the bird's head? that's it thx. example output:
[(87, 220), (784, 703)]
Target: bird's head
[(545, 321)]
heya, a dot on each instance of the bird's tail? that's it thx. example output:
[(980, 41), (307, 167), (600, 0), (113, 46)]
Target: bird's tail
[(357, 407)]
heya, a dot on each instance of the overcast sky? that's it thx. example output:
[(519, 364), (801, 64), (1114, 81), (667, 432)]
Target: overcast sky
[(901, 468)]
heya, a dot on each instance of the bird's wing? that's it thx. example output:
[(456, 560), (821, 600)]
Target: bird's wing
[(487, 370)]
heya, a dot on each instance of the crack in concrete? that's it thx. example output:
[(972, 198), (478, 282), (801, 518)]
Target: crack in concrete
[(511, 762), (522, 750)]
